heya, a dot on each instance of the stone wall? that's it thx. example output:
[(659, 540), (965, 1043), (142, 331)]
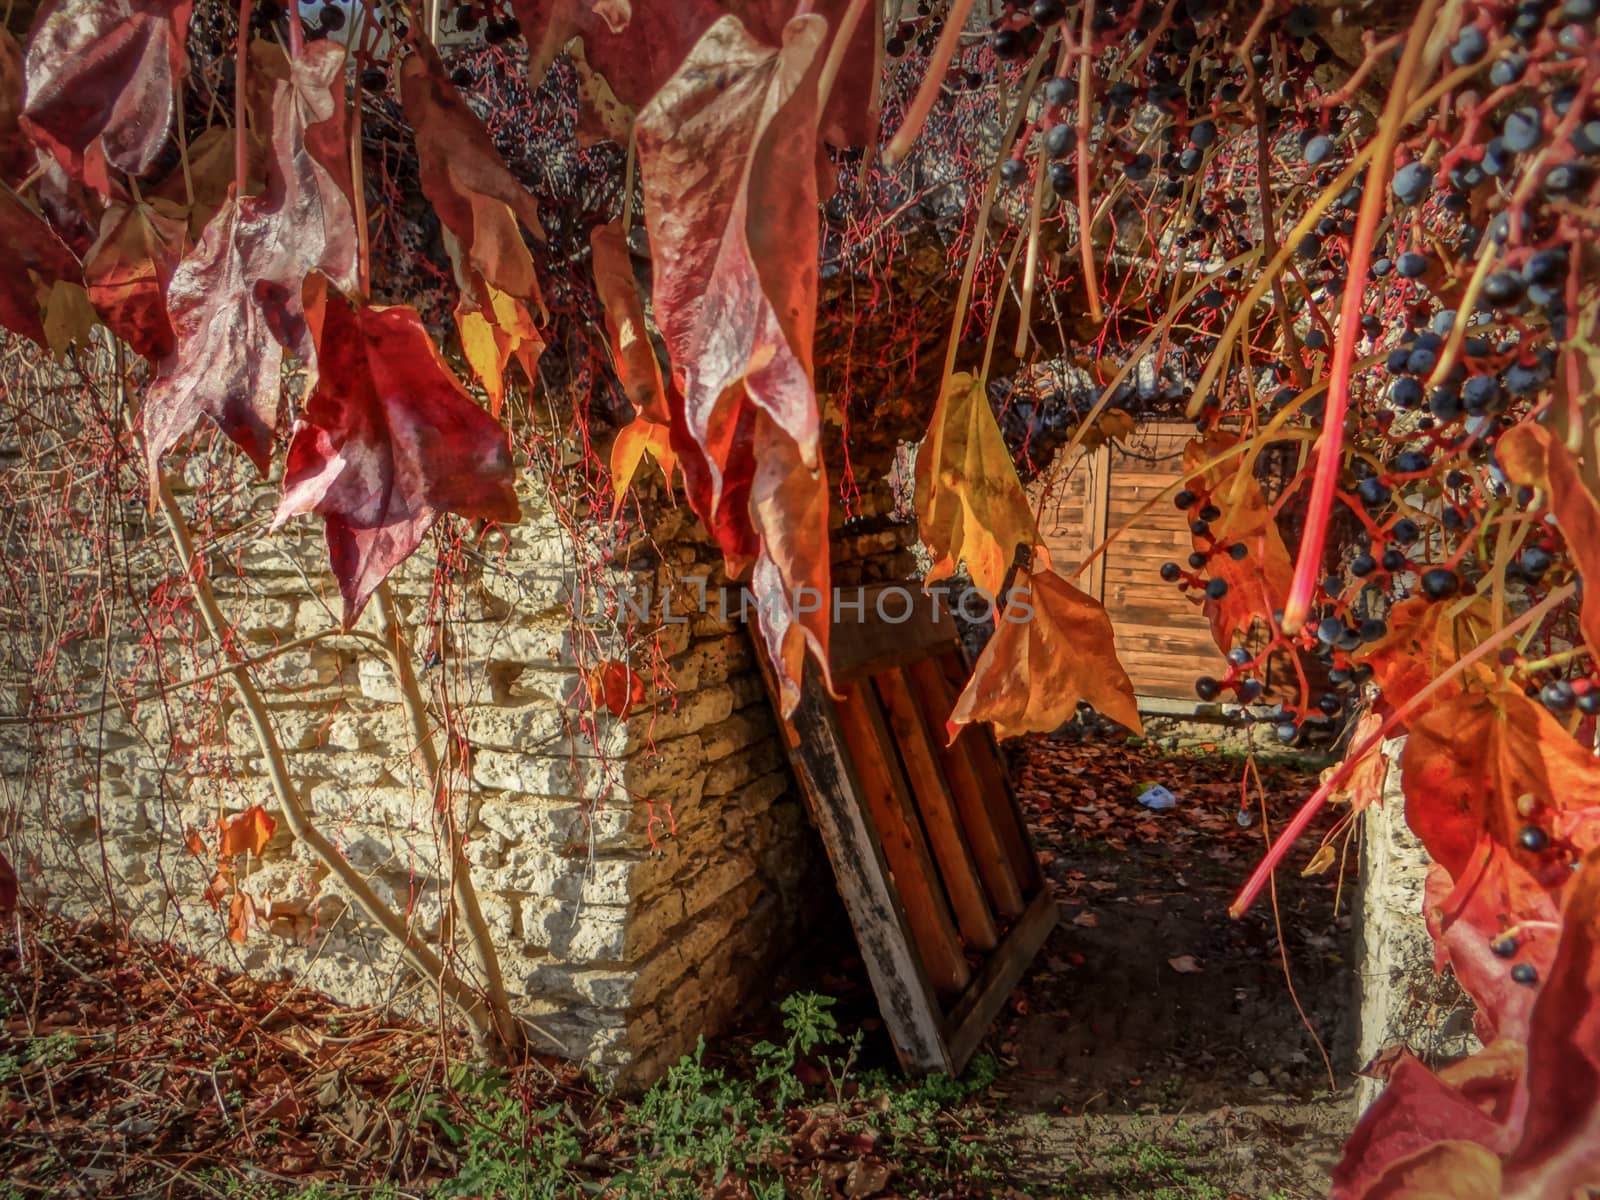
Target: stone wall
[(641, 875), (1401, 999)]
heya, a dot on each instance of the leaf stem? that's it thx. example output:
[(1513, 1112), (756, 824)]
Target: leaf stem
[(241, 65)]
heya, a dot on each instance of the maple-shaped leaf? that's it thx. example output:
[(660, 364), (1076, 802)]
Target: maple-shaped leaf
[(1424, 640), (238, 295), (251, 830), (615, 687), (1531, 454), (389, 442), (33, 259), (1052, 647), (727, 152), (128, 269), (632, 353), (970, 504), (105, 71), (478, 200), (1479, 769), (494, 331), (635, 46), (226, 365), (1258, 584)]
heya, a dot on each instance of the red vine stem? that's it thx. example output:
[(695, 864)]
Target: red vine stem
[(1292, 831), (1374, 199), (240, 67)]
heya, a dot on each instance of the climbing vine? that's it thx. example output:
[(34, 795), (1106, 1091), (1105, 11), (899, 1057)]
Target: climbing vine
[(1354, 246)]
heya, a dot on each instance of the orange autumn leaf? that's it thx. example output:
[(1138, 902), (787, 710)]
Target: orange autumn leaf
[(615, 687), (251, 830), (495, 328), (1051, 648), (1258, 583), (1479, 770), (1531, 454), (1425, 639), (636, 439), (970, 504), (243, 916), (632, 353), (1363, 786), (193, 843)]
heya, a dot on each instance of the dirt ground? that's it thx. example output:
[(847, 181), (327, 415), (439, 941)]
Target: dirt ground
[(1153, 1050), (1155, 1047)]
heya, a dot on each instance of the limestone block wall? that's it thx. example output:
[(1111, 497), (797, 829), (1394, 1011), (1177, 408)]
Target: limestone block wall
[(641, 874), (1401, 1000)]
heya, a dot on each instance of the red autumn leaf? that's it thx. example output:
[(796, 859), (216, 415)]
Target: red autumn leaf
[(193, 843), (127, 271), (34, 259), (238, 294), (1258, 584), (17, 154), (1052, 647), (637, 45), (219, 887), (970, 504), (305, 220), (251, 830), (388, 444), (727, 153), (1531, 454), (1559, 1151), (615, 687), (632, 353), (478, 199), (226, 365), (1477, 770), (8, 886), (1424, 640), (106, 71), (1506, 1122)]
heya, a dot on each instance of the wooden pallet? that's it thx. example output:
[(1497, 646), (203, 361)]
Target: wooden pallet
[(931, 854)]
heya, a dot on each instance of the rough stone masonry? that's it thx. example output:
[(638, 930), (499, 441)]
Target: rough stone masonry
[(641, 877)]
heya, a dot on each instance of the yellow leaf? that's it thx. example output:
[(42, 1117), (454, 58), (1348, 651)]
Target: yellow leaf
[(970, 504), (492, 333), (68, 317), (1320, 861)]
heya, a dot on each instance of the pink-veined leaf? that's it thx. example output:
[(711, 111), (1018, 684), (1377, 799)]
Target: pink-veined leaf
[(237, 295), (727, 153), (106, 71), (388, 444)]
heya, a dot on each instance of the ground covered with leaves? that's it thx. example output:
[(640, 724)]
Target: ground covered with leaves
[(1154, 1050)]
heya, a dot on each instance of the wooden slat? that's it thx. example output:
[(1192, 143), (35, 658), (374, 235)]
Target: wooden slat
[(984, 755), (821, 760), (900, 832), (861, 644), (936, 700), (939, 817), (970, 1020)]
